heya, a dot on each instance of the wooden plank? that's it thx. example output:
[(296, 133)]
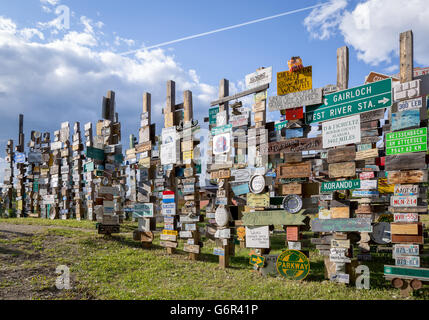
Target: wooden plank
[(273, 217), (343, 68), (405, 228), (408, 209), (291, 188), (296, 99), (240, 95), (367, 154), (301, 170), (396, 238), (341, 225), (340, 213), (291, 145), (342, 154), (370, 125), (405, 177), (342, 170), (406, 56), (406, 161)]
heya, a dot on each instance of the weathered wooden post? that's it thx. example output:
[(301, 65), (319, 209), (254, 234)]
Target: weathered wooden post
[(20, 160), (44, 181), (89, 169), (77, 149), (65, 211), (8, 177)]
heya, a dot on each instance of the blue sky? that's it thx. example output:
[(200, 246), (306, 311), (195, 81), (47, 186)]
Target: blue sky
[(52, 74)]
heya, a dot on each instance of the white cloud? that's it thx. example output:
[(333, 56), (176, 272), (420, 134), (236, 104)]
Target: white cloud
[(128, 42), (64, 79), (322, 21), (50, 2), (372, 27)]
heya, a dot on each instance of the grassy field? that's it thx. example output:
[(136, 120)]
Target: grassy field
[(118, 268)]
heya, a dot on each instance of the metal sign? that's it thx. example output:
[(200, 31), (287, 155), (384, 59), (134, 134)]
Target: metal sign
[(340, 185), (293, 264), (345, 103), (292, 203), (258, 237), (414, 140)]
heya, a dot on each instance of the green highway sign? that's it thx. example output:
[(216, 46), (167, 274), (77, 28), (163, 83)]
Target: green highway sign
[(415, 140), (222, 129), (369, 97), (279, 126), (340, 185), (212, 115)]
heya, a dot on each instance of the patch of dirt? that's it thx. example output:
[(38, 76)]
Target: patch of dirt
[(26, 272)]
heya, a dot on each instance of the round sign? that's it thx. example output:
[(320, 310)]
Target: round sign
[(257, 184), (105, 181), (222, 216), (292, 203), (293, 264), (381, 233)]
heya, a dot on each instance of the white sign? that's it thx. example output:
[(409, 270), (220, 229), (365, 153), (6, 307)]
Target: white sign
[(403, 201), (368, 184), (221, 143), (410, 104), (258, 237), (169, 146), (259, 78), (341, 132), (168, 209), (406, 217), (223, 234), (56, 145)]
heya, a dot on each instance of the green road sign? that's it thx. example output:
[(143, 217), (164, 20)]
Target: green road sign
[(279, 126), (340, 185), (407, 272), (222, 129), (212, 115), (345, 103), (415, 140), (256, 260), (94, 153), (293, 264)]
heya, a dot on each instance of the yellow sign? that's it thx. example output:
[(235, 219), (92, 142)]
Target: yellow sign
[(188, 155), (384, 187), (258, 200), (299, 80), (241, 233), (170, 232), (19, 205)]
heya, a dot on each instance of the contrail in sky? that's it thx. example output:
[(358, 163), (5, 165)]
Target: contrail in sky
[(223, 29)]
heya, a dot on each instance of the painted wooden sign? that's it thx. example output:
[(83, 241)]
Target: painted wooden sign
[(367, 154), (258, 237), (402, 238), (414, 140), (340, 243), (191, 248), (301, 170), (341, 132), (339, 255), (168, 237), (403, 201), (342, 170), (291, 145), (291, 188), (259, 78), (340, 212), (405, 119), (273, 217), (294, 100), (340, 185), (341, 225), (258, 200), (294, 81), (408, 161), (406, 217), (406, 177), (168, 244), (345, 103), (341, 154), (241, 175), (406, 228), (410, 104), (406, 190)]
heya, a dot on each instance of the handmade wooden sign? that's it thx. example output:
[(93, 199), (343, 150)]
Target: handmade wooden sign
[(406, 177), (294, 81), (342, 170), (407, 161), (341, 154), (259, 78), (258, 200), (257, 260), (291, 188), (291, 146), (273, 217), (406, 228), (341, 132), (367, 154), (414, 140), (287, 170)]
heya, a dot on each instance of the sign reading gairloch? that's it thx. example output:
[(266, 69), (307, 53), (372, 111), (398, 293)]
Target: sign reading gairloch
[(339, 185)]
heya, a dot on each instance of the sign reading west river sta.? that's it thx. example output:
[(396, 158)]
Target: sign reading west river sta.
[(345, 103)]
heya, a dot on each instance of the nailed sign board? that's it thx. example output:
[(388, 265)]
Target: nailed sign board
[(273, 217), (341, 225), (241, 175), (258, 237), (294, 100), (405, 177), (291, 146), (258, 200), (410, 104), (345, 103), (341, 132), (403, 201), (259, 78), (143, 210), (294, 81), (342, 170), (408, 141), (291, 170), (341, 154)]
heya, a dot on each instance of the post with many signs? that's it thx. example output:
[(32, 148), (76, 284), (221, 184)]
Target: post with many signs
[(190, 212), (8, 176), (144, 208), (44, 181), (170, 150), (19, 159), (33, 174), (89, 169), (65, 203), (77, 159), (406, 149)]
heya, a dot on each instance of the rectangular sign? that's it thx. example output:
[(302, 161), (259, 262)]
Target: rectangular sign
[(410, 104), (403, 201), (294, 81), (143, 210), (295, 100), (405, 119), (258, 237), (406, 190), (258, 200), (291, 146), (259, 78), (405, 250), (342, 170), (345, 103), (212, 115), (407, 261), (341, 132), (341, 225), (340, 185), (406, 217), (414, 140)]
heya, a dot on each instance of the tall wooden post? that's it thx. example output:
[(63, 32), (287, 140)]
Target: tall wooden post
[(343, 68), (406, 56), (89, 169), (77, 149), (65, 212), (20, 193), (8, 178)]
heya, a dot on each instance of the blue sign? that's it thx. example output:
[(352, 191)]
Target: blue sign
[(19, 157), (241, 189)]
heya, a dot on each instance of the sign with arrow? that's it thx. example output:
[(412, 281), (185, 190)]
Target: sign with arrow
[(345, 103), (256, 260)]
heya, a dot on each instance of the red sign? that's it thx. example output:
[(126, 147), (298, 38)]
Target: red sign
[(295, 114), (292, 233), (381, 161), (366, 175)]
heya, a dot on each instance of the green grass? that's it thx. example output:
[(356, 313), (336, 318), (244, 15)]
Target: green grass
[(118, 268)]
